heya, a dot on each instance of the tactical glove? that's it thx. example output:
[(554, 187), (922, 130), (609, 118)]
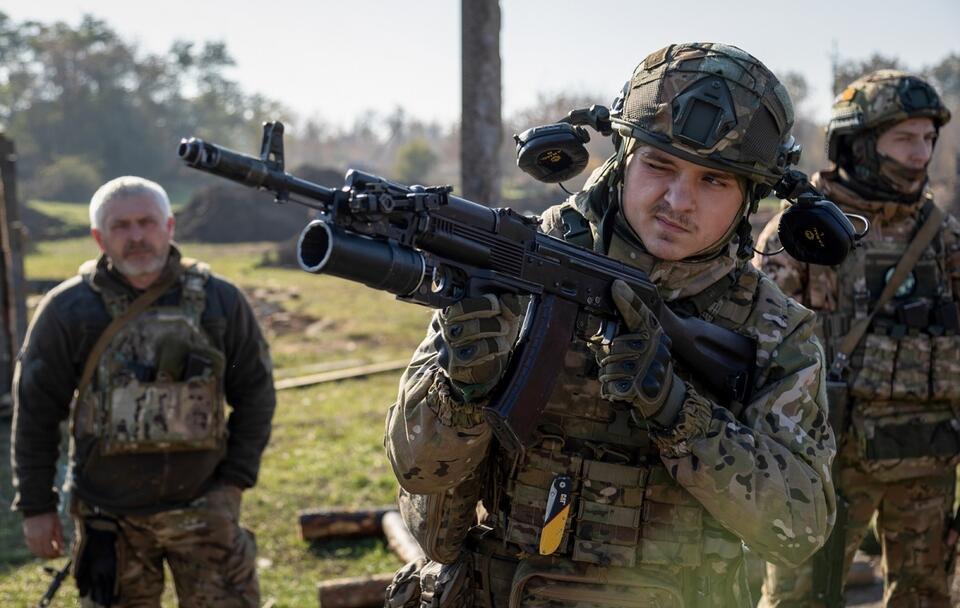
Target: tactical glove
[(637, 366), (478, 337), (96, 568)]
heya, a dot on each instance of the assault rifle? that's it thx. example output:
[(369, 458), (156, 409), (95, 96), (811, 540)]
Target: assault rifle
[(427, 246)]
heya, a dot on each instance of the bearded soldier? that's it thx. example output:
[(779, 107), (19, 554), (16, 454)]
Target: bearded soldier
[(656, 481), (140, 352), (888, 320)]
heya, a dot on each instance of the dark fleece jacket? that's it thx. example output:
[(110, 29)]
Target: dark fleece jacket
[(64, 329)]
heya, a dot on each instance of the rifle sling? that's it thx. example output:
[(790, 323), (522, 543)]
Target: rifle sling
[(911, 256)]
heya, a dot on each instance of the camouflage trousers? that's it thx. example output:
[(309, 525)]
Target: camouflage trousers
[(911, 519), (212, 558)]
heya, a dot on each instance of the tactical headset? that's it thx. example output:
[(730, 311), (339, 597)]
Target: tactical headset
[(812, 230)]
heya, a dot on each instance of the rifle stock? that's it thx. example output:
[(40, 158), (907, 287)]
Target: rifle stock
[(429, 247)]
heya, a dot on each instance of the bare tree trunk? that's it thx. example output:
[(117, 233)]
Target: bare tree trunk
[(13, 311), (480, 123)]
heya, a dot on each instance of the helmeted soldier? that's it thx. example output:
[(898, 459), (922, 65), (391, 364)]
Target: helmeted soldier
[(141, 352), (895, 396), (640, 485)]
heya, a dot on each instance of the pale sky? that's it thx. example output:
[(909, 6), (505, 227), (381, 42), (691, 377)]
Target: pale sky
[(334, 60)]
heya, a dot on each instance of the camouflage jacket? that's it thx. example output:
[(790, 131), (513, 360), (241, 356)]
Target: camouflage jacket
[(66, 325), (757, 472), (903, 376)]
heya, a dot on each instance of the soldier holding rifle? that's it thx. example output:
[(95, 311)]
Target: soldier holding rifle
[(640, 483)]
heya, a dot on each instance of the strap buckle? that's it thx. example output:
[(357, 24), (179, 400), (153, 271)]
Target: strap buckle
[(841, 362)]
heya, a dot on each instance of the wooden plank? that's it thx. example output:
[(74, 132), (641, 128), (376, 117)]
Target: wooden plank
[(343, 374), (316, 368)]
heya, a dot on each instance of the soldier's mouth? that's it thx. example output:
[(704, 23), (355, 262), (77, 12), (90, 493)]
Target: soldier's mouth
[(669, 225)]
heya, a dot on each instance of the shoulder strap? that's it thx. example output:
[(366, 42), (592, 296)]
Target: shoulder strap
[(697, 304), (193, 295), (910, 258), (136, 307)]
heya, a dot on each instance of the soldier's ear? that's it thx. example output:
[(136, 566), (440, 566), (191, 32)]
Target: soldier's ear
[(98, 237), (171, 224)]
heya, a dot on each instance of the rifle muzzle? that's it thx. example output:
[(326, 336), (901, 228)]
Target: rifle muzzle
[(215, 159), (326, 249)]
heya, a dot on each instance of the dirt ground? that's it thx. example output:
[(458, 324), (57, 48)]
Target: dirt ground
[(227, 213), (274, 318)]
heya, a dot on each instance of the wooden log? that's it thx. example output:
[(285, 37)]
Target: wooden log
[(339, 522), (399, 538), (358, 592)]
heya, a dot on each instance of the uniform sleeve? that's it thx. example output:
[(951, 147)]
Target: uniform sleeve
[(785, 271), (248, 381), (44, 381), (765, 475), (433, 441)]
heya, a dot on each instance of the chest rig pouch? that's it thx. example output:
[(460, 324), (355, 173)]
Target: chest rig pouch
[(157, 387), (906, 390)]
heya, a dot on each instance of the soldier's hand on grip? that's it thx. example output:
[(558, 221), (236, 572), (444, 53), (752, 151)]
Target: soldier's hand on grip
[(637, 366), (479, 334)]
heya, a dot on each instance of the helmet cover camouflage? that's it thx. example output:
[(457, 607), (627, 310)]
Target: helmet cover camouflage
[(712, 104), (881, 99)]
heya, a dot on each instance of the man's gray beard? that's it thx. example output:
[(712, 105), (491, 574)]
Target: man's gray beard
[(134, 269)]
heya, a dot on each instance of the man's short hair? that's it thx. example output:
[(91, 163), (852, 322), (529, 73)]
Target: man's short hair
[(126, 187)]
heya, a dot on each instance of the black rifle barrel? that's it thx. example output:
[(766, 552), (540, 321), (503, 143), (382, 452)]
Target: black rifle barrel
[(247, 170)]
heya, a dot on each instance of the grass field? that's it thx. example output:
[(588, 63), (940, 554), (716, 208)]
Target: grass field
[(326, 448)]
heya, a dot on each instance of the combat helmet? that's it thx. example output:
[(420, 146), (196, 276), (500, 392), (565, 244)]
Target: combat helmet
[(879, 100), (712, 104)]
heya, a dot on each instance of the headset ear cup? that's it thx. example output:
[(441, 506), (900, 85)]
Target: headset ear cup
[(552, 153), (816, 233)]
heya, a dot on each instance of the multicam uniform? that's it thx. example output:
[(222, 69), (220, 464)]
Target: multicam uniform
[(902, 437), (899, 435), (658, 518), (150, 446), (659, 509)]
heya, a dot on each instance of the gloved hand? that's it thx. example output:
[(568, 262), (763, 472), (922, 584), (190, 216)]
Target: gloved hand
[(479, 334), (637, 366)]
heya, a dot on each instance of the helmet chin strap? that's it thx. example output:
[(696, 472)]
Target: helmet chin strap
[(720, 244), (615, 191)]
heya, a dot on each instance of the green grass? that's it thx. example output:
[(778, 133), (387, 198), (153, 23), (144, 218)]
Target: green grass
[(73, 214), (327, 443)]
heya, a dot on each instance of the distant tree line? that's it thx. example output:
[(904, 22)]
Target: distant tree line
[(84, 105)]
